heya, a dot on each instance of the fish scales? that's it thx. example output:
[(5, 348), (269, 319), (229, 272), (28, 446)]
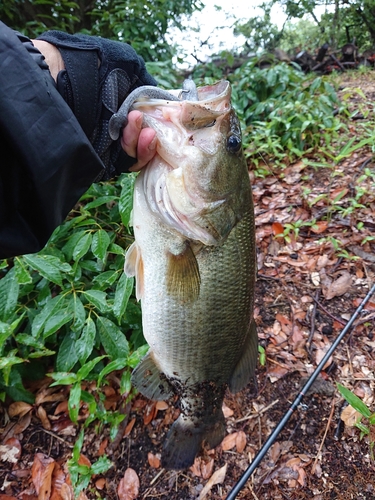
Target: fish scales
[(194, 262)]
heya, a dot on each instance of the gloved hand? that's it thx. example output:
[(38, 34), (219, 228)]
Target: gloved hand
[(97, 76)]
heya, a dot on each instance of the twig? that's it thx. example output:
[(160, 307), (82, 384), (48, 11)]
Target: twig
[(312, 323), (257, 414), (324, 438), (55, 436), (329, 314), (157, 476)]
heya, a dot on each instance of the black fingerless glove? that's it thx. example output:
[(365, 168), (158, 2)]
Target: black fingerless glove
[(98, 75)]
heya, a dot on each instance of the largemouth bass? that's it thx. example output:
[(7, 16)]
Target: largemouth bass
[(194, 263)]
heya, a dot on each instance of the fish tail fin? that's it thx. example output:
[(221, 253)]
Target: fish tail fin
[(185, 440)]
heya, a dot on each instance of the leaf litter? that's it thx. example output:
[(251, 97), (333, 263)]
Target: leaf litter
[(316, 247)]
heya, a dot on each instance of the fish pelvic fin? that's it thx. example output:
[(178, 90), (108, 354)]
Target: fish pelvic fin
[(149, 379), (245, 367), (186, 438), (183, 278), (134, 267)]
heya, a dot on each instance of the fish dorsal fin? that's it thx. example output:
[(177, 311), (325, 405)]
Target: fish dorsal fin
[(149, 380), (134, 267), (245, 367), (183, 279)]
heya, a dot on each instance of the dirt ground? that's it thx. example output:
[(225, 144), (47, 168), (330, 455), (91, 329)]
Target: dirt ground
[(306, 292)]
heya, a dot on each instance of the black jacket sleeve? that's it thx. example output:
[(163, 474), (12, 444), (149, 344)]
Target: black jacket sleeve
[(46, 160)]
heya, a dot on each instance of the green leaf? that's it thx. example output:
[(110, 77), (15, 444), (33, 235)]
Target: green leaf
[(100, 243), (74, 401), (79, 313), (137, 355), (126, 198), (87, 367), (9, 291), (117, 364), (106, 279), (82, 246), (123, 291), (112, 338), (48, 266), (21, 272), (5, 332), (10, 360), (125, 383), (100, 201), (354, 401), (63, 378), (52, 307), (58, 319), (67, 355), (97, 298), (85, 344), (101, 466)]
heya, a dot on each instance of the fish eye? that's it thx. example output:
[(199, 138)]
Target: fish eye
[(233, 144)]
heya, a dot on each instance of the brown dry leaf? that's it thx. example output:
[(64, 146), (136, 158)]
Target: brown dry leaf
[(227, 411), (19, 409), (241, 441), (339, 191), (42, 414), (66, 492), (7, 497), (41, 475), (49, 395), (129, 427), (275, 452), (153, 460), (207, 468), (319, 227), (102, 447), (128, 488), (217, 478), (15, 447), (61, 407), (350, 416), (319, 355), (277, 228), (162, 405), (370, 306), (339, 286), (150, 413), (100, 483), (277, 373), (60, 489), (229, 441), (83, 460)]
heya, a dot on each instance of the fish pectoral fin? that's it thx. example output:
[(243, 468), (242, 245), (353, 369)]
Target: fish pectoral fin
[(150, 381), (245, 367), (183, 278), (134, 267)]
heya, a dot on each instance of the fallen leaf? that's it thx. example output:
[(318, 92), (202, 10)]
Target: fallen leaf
[(102, 447), (9, 453), (42, 414), (207, 468), (153, 460), (319, 227), (150, 413), (129, 427), (100, 483), (41, 475), (339, 286), (128, 488), (229, 441), (61, 407), (83, 460), (19, 409), (227, 411), (277, 228), (315, 278), (162, 405), (241, 441), (15, 444), (350, 416), (217, 478)]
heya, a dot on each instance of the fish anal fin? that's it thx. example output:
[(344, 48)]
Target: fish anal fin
[(245, 367), (149, 380), (134, 267), (183, 278)]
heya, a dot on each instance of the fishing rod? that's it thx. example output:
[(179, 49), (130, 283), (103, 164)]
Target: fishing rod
[(272, 438)]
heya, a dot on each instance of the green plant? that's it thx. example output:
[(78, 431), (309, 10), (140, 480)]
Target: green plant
[(356, 403), (71, 302)]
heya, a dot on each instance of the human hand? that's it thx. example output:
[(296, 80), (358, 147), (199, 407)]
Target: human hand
[(138, 142)]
